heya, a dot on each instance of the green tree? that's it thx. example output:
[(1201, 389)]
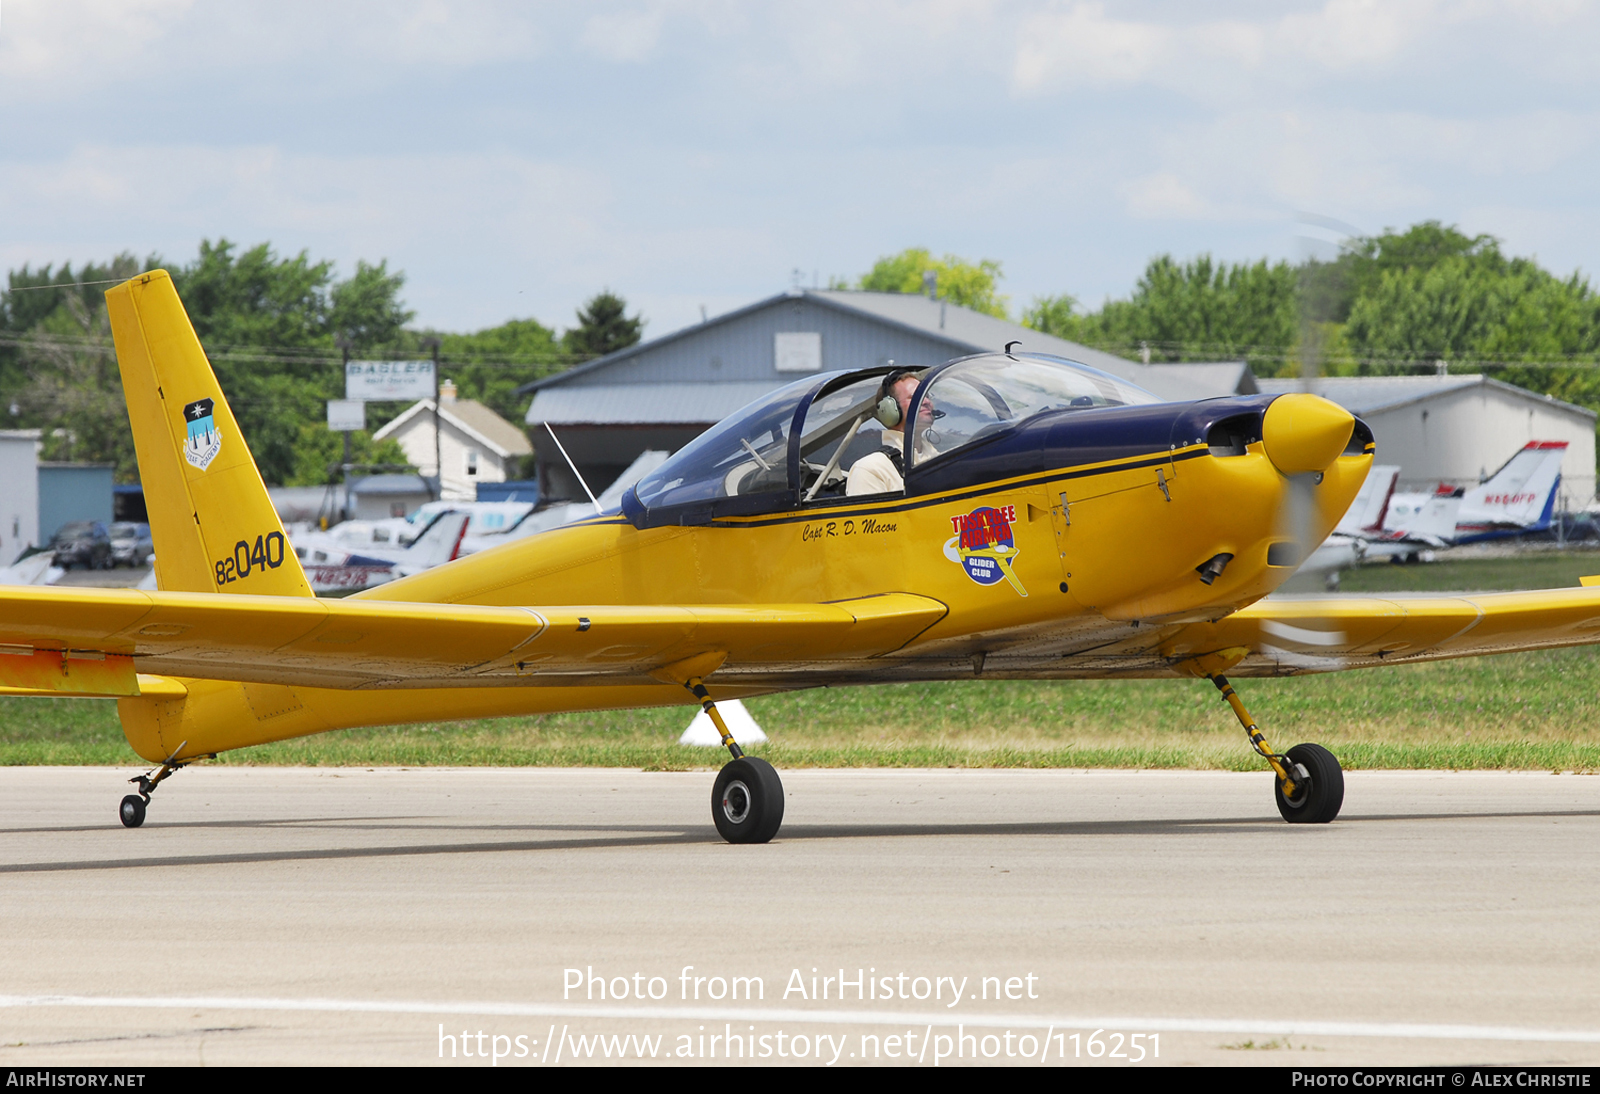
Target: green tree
[(1199, 310), (320, 451), (603, 327), (1328, 290), (61, 370), (490, 364), (36, 296), (270, 326), (972, 285), (1055, 315), (1479, 309), (365, 310)]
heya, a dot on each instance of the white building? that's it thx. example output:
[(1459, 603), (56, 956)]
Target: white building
[(19, 494), (1460, 429), (474, 443)]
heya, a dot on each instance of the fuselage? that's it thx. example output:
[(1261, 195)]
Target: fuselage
[(1043, 540)]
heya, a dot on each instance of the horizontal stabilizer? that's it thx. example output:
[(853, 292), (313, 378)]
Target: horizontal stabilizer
[(360, 643)]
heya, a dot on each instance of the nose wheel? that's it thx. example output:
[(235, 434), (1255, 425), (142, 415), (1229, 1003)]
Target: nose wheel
[(1309, 787), (747, 798), (1319, 786), (747, 801)]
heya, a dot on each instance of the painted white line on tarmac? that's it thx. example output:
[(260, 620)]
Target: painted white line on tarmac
[(1277, 1026)]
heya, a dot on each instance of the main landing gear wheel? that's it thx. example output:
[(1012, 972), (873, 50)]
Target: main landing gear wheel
[(1319, 794), (747, 801), (132, 811)]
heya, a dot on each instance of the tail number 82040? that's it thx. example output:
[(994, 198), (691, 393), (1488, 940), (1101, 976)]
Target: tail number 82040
[(265, 554)]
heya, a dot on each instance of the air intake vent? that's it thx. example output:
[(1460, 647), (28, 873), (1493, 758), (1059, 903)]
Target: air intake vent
[(1360, 437), (1283, 554), (1230, 436)]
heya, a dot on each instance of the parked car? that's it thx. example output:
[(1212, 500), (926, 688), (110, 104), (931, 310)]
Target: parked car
[(130, 543), (84, 543)]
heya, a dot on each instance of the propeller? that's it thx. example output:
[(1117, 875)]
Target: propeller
[(1303, 434)]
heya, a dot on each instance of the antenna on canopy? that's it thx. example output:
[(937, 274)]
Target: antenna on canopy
[(576, 474)]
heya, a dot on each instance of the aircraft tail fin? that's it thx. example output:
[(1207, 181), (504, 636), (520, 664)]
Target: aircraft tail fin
[(439, 542), (212, 523), (1437, 520), (1367, 511), (1519, 496)]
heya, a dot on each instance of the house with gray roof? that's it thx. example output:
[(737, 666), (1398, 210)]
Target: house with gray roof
[(473, 442), (663, 393), (1459, 429)]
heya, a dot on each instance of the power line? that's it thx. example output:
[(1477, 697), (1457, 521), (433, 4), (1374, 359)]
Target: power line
[(65, 285)]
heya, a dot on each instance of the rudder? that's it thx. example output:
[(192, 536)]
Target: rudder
[(212, 523)]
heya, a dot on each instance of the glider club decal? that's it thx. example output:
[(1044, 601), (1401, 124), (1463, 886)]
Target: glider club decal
[(204, 441), (984, 546)]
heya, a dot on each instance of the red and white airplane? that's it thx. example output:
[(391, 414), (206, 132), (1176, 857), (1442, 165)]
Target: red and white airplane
[(333, 569)]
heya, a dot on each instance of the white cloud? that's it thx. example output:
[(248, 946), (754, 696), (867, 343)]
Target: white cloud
[(61, 48), (625, 35), (1080, 45), (721, 143), (58, 42), (1164, 195)]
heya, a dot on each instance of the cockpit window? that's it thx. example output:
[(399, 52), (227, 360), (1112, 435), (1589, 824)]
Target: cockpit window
[(982, 396), (840, 428), (743, 455)]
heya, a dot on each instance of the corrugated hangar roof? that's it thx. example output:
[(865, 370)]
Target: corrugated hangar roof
[(733, 354), (1371, 394), (689, 402)]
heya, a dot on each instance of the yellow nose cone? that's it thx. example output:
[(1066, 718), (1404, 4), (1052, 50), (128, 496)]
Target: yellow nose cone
[(1305, 433)]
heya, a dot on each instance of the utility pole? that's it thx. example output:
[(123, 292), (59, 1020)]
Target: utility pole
[(344, 349), (438, 459)]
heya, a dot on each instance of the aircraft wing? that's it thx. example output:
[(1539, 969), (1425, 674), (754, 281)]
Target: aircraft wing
[(1326, 634), (97, 641)]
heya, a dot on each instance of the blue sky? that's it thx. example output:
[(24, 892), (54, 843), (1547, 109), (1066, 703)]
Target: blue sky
[(514, 158)]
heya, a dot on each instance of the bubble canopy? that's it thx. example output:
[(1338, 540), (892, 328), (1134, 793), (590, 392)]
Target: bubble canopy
[(794, 445)]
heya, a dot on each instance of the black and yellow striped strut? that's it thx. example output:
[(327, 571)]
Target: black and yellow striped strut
[(1257, 741), (698, 687)]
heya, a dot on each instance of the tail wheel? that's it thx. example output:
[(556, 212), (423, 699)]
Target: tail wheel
[(747, 801), (1318, 796)]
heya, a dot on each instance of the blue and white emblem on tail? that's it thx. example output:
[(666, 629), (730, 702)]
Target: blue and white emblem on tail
[(204, 441)]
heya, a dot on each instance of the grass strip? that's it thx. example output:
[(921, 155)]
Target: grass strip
[(1531, 711)]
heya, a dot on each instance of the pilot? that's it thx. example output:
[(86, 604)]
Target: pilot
[(883, 471)]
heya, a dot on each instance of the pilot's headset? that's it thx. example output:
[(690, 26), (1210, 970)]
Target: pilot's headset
[(888, 406)]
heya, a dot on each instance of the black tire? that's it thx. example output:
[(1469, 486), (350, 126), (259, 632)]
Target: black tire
[(747, 801), (132, 811), (1319, 800)]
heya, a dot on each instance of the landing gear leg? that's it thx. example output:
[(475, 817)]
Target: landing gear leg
[(747, 798), (1310, 783), (133, 806)]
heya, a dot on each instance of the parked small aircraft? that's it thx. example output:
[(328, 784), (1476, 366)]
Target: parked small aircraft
[(542, 520), (331, 568), (1518, 498), (1055, 522)]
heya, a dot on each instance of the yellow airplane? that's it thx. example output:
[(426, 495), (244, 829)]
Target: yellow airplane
[(1148, 533)]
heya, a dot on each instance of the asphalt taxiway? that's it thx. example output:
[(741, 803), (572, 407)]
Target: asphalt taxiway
[(273, 915)]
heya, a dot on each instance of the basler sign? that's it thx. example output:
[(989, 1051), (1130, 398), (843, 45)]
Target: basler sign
[(375, 381)]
